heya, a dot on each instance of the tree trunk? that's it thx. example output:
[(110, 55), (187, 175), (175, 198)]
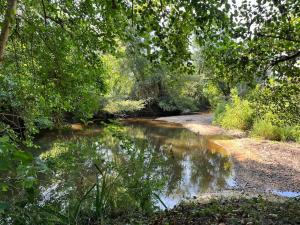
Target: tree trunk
[(9, 16)]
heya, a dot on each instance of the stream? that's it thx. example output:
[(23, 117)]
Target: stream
[(195, 164)]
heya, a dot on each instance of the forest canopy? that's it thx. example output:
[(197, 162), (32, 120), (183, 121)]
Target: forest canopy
[(53, 61)]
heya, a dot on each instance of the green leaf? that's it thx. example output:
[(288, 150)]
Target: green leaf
[(23, 156), (4, 165), (3, 206), (4, 187), (29, 182)]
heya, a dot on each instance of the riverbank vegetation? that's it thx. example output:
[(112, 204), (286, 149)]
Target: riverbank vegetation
[(246, 115), (85, 61)]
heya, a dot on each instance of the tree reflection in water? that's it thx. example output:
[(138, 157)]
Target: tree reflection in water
[(193, 165)]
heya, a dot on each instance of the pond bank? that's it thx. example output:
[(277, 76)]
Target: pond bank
[(247, 210), (260, 165)]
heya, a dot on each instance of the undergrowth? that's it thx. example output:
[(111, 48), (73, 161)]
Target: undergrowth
[(236, 114), (241, 114)]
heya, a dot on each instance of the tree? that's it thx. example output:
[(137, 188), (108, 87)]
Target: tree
[(8, 18), (260, 48), (53, 60)]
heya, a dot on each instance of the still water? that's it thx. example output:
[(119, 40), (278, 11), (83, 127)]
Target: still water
[(195, 164)]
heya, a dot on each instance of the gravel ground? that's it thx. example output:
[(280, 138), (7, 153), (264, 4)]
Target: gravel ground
[(259, 165), (234, 211)]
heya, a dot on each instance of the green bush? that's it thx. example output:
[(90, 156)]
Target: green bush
[(265, 128), (124, 106), (219, 112), (290, 133), (280, 99), (237, 114), (182, 103), (213, 93)]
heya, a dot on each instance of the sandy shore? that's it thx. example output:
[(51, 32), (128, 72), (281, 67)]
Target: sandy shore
[(259, 165)]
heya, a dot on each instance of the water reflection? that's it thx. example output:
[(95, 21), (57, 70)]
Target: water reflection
[(194, 164), (289, 194)]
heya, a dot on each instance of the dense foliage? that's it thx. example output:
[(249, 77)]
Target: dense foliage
[(63, 61), (259, 55), (56, 55)]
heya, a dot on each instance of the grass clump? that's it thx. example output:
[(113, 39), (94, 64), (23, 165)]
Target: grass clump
[(290, 133), (296, 133), (218, 112)]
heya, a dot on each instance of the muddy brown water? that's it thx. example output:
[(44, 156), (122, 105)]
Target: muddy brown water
[(196, 165)]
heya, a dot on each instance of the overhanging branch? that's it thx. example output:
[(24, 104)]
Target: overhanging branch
[(285, 58)]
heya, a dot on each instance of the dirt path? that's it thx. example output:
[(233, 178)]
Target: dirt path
[(260, 165)]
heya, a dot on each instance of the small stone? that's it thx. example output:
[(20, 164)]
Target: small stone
[(273, 215), (249, 223)]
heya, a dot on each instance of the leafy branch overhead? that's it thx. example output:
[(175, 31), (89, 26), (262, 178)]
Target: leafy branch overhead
[(83, 61)]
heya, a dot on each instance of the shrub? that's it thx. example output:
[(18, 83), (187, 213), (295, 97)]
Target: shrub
[(182, 103), (124, 106), (218, 112), (264, 128), (267, 127), (280, 99), (237, 114), (213, 94), (290, 133)]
